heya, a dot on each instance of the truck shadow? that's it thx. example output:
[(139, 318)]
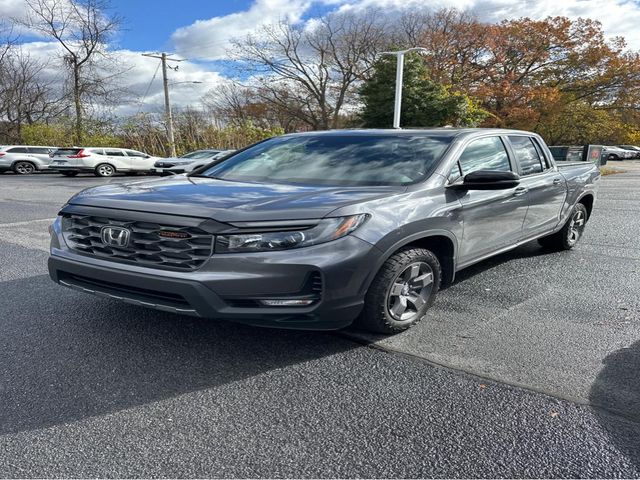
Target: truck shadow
[(65, 356), (616, 391), (527, 250)]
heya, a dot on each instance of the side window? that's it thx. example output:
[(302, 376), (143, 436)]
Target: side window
[(484, 154), (114, 153), (526, 155), (546, 163), (133, 153), (39, 150), (97, 151), (17, 150)]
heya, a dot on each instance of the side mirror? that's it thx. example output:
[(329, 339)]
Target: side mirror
[(487, 180)]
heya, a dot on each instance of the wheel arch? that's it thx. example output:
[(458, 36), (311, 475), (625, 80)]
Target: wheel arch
[(587, 200), (442, 243), (24, 160)]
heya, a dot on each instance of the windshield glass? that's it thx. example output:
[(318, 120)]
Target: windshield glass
[(198, 154), (335, 160)]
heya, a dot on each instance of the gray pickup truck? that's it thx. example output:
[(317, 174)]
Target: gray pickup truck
[(316, 230)]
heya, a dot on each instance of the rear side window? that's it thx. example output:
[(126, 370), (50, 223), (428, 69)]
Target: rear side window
[(17, 150), (133, 153), (114, 153), (39, 150), (527, 155), (483, 154), (97, 151), (67, 151)]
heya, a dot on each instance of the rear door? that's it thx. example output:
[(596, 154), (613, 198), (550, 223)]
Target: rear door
[(41, 154), (545, 186), (492, 219)]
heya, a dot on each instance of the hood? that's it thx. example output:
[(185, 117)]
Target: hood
[(227, 201)]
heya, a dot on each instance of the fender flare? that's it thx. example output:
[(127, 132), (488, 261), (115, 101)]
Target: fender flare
[(386, 254)]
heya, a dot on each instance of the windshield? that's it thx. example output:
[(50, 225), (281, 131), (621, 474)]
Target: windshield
[(335, 160), (199, 154)]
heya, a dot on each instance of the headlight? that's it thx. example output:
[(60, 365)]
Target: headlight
[(326, 230)]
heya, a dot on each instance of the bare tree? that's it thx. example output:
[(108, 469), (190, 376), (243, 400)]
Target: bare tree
[(311, 70), (83, 29), (25, 96)]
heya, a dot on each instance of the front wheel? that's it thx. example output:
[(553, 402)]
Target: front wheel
[(402, 291), (105, 170), (24, 168), (571, 232)]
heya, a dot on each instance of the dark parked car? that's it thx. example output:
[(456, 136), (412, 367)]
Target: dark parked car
[(317, 229)]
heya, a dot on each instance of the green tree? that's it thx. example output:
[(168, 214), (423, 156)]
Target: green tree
[(425, 103)]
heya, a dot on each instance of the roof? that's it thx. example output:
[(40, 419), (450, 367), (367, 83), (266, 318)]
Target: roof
[(440, 131)]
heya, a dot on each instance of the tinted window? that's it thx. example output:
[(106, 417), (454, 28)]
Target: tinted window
[(200, 154), (17, 150), (41, 151), (133, 153), (114, 153), (484, 154), (97, 151), (67, 151), (336, 159), (526, 155)]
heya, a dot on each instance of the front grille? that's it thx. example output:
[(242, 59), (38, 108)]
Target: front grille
[(315, 282), (146, 246)]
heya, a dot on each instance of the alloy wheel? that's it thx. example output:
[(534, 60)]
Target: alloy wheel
[(576, 227), (410, 291), (24, 168)]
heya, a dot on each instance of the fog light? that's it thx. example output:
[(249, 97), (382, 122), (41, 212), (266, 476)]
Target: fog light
[(297, 302)]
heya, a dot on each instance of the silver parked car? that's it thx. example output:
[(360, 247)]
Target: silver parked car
[(102, 162), (24, 159), (195, 164), (204, 156), (617, 153)]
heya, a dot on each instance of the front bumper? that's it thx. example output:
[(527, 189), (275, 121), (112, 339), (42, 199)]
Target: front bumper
[(227, 286)]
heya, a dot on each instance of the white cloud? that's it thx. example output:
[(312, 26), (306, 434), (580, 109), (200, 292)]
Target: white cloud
[(618, 17), (137, 79), (210, 39)]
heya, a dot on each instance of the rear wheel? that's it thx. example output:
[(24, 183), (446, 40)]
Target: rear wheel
[(24, 168), (402, 291), (69, 174), (571, 232), (105, 170)]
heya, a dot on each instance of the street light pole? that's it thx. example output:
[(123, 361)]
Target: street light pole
[(397, 107)]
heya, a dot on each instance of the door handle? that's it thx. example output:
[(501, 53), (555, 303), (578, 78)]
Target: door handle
[(557, 181), (520, 191)]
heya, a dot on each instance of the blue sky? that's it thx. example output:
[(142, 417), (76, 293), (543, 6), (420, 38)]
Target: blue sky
[(201, 31), (166, 18)]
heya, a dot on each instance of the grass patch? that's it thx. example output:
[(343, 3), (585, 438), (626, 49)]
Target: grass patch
[(610, 171)]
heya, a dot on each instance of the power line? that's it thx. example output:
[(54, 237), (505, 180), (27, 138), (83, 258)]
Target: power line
[(144, 97), (164, 58)]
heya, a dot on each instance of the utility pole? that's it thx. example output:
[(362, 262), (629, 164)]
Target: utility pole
[(164, 58), (399, 71)]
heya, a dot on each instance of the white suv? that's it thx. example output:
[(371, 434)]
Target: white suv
[(102, 162), (24, 159)]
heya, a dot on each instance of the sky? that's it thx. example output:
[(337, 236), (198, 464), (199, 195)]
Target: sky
[(200, 30)]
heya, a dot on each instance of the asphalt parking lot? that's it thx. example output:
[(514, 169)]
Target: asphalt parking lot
[(527, 366)]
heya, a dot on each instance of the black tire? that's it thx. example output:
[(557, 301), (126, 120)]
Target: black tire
[(24, 168), (571, 232), (613, 156), (105, 170), (396, 281), (69, 174)]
